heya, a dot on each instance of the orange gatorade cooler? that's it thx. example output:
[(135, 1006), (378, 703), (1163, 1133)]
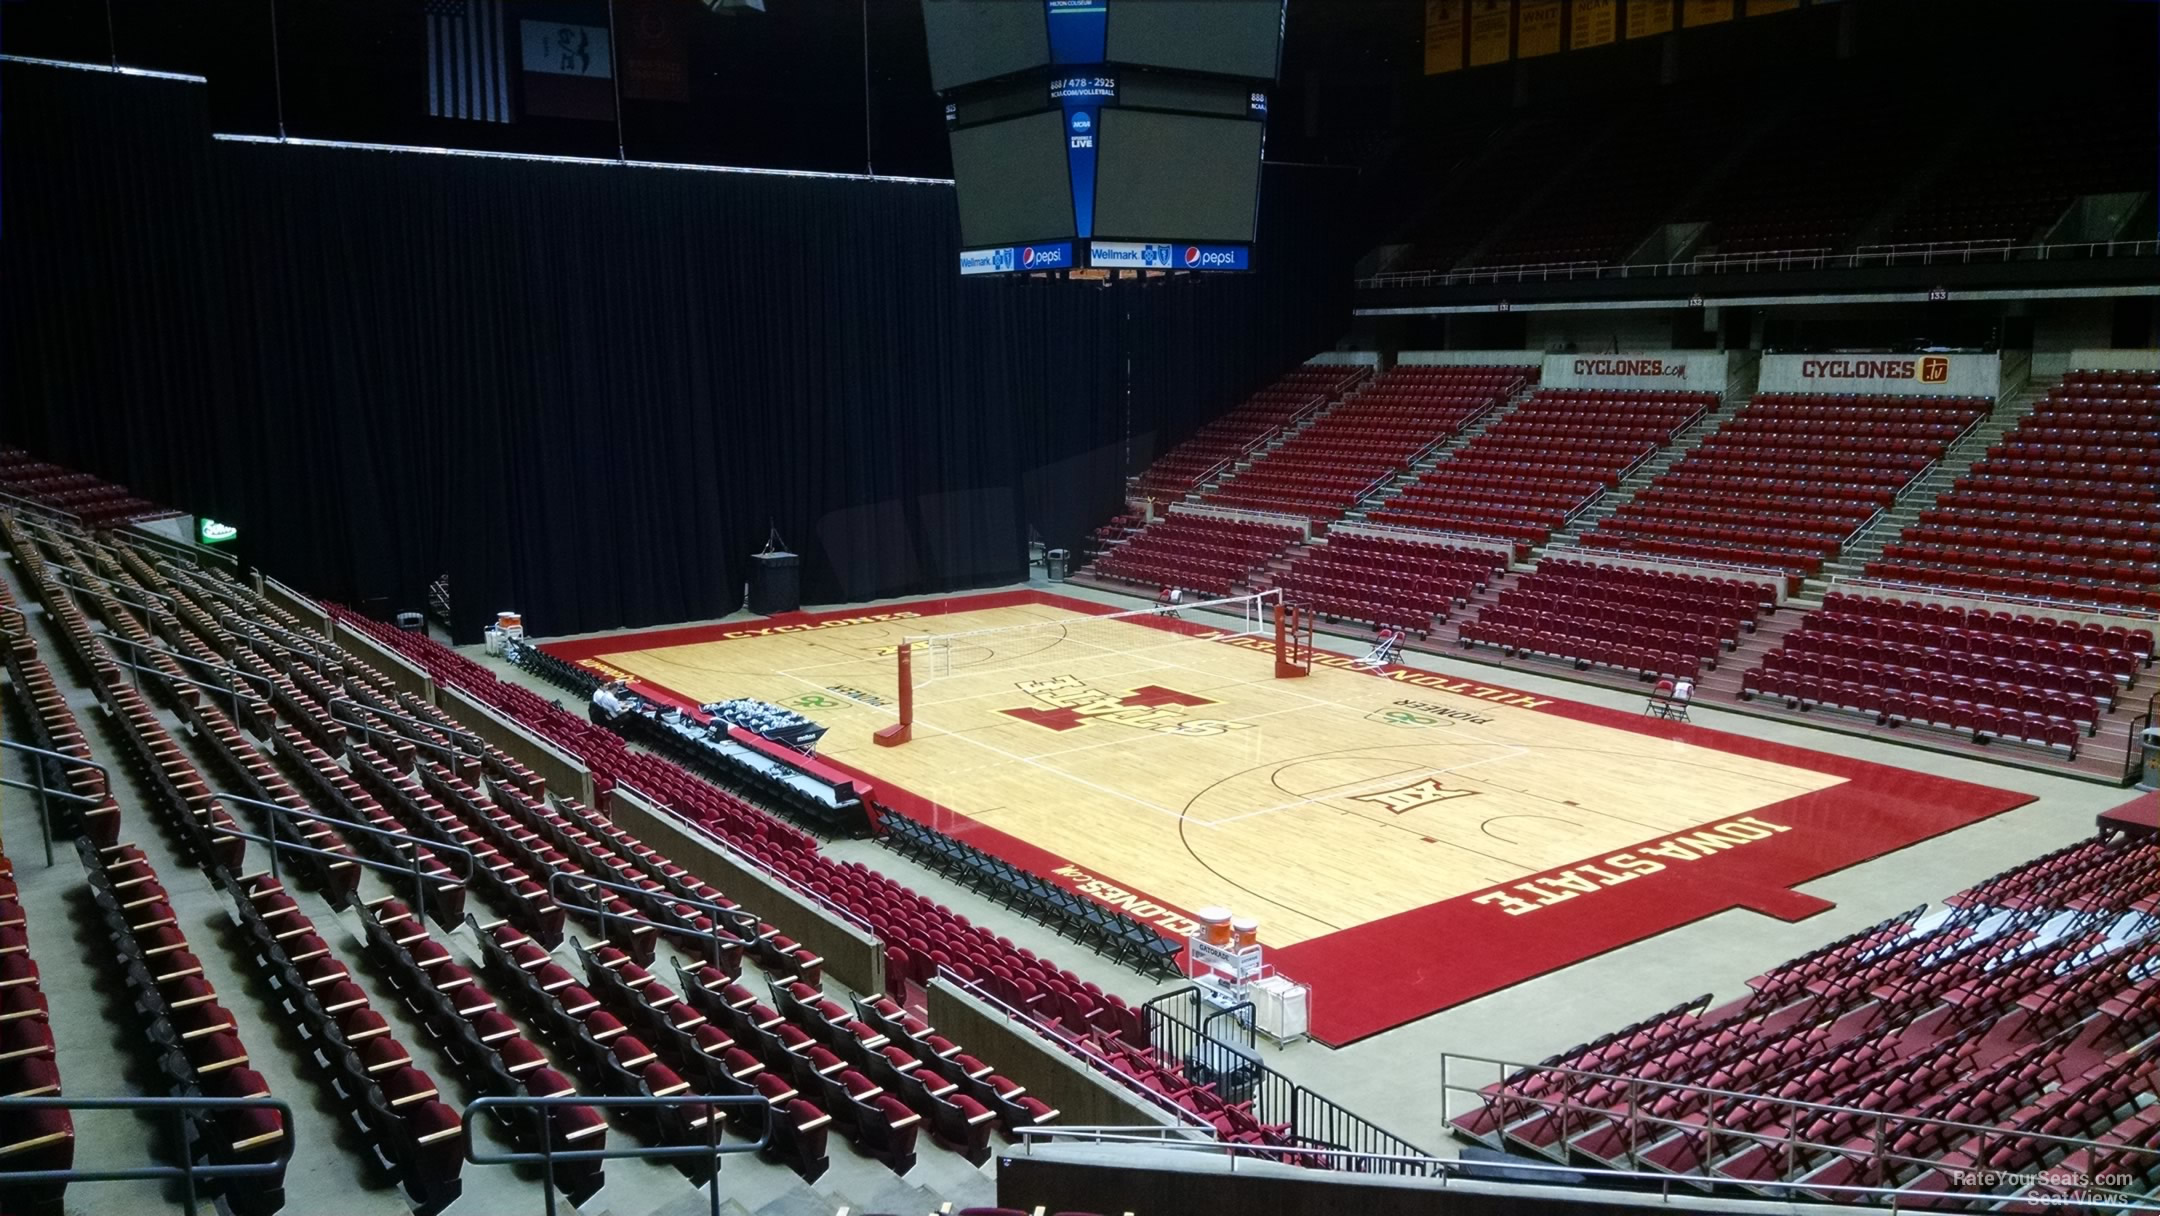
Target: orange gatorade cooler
[(1214, 925)]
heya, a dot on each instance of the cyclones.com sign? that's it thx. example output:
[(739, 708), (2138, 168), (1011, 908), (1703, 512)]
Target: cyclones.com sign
[(1631, 367), (1667, 371)]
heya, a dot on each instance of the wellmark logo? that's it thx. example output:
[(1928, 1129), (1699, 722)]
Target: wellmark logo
[(1411, 797), (1423, 713), (1151, 707)]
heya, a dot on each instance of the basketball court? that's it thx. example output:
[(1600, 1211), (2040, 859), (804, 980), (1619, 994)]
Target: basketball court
[(1407, 840)]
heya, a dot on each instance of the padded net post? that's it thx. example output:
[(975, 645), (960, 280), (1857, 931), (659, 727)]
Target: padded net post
[(899, 732), (1293, 642)]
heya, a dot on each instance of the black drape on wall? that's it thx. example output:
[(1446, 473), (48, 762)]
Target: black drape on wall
[(584, 392)]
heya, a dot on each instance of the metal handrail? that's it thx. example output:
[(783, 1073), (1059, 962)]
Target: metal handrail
[(1724, 569), (1448, 1170), (712, 1150), (413, 844), (18, 502), (2093, 607), (1795, 1106), (137, 647), (459, 733), (737, 916), (1924, 253), (46, 792), (1187, 1119), (187, 1171), (755, 862)]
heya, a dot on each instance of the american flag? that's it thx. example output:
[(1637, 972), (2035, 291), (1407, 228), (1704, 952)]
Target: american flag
[(468, 77)]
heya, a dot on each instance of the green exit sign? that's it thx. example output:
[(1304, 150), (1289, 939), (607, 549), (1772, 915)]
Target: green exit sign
[(211, 532)]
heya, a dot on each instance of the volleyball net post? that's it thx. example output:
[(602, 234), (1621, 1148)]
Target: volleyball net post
[(904, 729), (1256, 615)]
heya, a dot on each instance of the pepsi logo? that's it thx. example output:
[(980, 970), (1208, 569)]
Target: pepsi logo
[(1192, 255), (1027, 256)]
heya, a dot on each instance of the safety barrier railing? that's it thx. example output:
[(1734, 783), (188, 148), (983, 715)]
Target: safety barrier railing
[(413, 844), (1074, 1047), (451, 732), (750, 860), (548, 1156), (196, 555), (230, 689), (1262, 440), (45, 792), (2134, 745), (2042, 602), (1449, 1171), (17, 502), (1228, 1060), (560, 880), (1657, 562), (1923, 254), (1772, 1126), (188, 1172), (1502, 549)]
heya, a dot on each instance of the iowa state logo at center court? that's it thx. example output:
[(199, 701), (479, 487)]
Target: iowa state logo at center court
[(1072, 703)]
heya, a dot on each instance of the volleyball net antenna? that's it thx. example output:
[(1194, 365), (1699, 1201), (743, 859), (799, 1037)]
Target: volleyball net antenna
[(927, 659)]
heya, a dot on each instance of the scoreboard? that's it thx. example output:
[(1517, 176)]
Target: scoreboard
[(1105, 133)]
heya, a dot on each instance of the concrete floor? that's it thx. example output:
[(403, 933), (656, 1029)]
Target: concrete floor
[(1396, 1078)]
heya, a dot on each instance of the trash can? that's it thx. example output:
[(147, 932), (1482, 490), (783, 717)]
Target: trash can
[(2150, 737), (1054, 564)]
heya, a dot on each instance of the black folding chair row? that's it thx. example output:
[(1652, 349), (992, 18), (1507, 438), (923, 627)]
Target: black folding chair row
[(568, 676), (1109, 933), (752, 781)]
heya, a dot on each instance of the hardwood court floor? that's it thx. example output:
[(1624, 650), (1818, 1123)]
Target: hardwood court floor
[(1161, 766)]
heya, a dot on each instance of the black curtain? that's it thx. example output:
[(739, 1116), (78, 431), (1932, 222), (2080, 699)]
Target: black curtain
[(584, 392)]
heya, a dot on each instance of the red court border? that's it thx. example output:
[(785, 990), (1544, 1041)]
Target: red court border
[(1381, 974)]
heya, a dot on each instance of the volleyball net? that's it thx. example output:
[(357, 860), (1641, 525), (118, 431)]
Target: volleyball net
[(927, 659)]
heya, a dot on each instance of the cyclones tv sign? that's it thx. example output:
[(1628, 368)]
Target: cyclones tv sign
[(1927, 369), (1946, 375)]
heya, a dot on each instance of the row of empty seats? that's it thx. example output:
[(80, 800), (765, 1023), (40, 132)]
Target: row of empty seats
[(1389, 582), (1322, 470), (1293, 396), (1999, 1046), (1550, 456), (1202, 553), (2065, 507), (1787, 481), (97, 503), (191, 1039), (1983, 673), (1648, 622)]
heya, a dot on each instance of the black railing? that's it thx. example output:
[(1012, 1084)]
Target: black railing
[(1214, 1045), (547, 1158), (46, 792), (414, 845), (2134, 759), (188, 1171)]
